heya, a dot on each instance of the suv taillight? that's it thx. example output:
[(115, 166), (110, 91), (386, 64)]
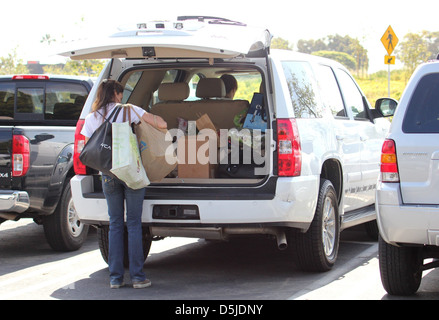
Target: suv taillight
[(389, 165), (20, 155), (289, 153), (78, 166)]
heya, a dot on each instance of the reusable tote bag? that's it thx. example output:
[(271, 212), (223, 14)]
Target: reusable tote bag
[(127, 164), (97, 152), (256, 117), (158, 156)]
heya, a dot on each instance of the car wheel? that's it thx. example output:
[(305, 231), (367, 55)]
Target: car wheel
[(317, 249), (104, 243), (372, 229), (63, 229), (400, 268)]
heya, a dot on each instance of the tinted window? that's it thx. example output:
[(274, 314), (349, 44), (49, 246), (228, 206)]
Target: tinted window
[(330, 91), (422, 115), (352, 96), (30, 100), (7, 97), (53, 100), (303, 89), (64, 101)]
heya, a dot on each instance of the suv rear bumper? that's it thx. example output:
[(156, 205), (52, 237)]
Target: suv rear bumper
[(292, 204), (400, 223), (14, 201)]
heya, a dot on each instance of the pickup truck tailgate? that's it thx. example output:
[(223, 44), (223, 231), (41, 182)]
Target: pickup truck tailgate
[(5, 157)]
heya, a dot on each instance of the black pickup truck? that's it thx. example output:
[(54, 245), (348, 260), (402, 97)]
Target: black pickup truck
[(38, 116)]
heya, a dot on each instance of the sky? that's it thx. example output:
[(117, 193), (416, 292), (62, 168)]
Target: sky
[(24, 22)]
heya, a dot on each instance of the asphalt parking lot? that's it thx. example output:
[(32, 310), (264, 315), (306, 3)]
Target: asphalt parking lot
[(191, 270)]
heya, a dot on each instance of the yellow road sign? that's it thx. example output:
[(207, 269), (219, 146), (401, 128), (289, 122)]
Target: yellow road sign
[(389, 59), (389, 40)]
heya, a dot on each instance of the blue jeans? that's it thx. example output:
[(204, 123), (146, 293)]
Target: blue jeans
[(115, 193)]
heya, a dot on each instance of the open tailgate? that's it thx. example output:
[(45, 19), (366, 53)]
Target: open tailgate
[(171, 40)]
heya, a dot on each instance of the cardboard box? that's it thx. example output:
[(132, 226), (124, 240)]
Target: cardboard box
[(193, 158), (204, 122)]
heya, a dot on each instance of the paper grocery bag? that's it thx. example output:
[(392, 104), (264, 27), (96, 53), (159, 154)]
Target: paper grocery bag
[(204, 122), (158, 155)]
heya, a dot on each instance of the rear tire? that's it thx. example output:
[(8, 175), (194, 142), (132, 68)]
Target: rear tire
[(317, 249), (372, 229), (63, 229), (104, 244), (400, 268)]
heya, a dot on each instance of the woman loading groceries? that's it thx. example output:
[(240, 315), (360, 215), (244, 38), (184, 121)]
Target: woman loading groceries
[(109, 95)]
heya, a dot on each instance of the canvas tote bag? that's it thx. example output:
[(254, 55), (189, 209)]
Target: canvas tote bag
[(127, 164)]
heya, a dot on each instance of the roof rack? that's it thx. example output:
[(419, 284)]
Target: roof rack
[(211, 20)]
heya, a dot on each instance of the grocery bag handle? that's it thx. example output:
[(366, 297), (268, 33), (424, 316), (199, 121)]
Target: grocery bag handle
[(113, 114)]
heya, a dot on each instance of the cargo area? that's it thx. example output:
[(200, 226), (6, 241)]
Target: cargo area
[(217, 138)]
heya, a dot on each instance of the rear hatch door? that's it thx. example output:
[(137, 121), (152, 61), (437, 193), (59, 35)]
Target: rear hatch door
[(181, 39), (419, 170), (418, 149)]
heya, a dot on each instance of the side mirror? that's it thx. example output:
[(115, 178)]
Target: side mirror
[(386, 106)]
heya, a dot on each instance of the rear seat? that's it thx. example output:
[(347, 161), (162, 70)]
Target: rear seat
[(211, 91)]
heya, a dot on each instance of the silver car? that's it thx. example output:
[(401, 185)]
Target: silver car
[(407, 202)]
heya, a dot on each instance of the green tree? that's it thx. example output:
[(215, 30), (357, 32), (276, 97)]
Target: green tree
[(12, 65), (339, 43), (359, 53), (280, 43), (79, 68), (309, 46), (413, 50), (47, 39), (345, 59), (72, 67), (433, 44), (90, 68), (353, 48)]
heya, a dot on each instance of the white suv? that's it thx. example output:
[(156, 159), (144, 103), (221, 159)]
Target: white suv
[(299, 146), (408, 190)]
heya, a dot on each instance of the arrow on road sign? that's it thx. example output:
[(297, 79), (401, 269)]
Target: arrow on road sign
[(389, 59)]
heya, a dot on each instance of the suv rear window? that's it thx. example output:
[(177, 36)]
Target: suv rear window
[(422, 115)]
